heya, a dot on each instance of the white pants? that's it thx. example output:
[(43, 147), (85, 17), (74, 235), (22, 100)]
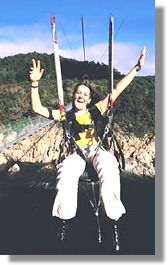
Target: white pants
[(106, 166)]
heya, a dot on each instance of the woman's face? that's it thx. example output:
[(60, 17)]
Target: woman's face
[(82, 98)]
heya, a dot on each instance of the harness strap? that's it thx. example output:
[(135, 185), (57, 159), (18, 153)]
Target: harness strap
[(110, 105), (68, 137), (71, 129), (74, 127), (107, 130)]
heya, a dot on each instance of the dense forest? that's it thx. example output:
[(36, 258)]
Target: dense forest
[(14, 69), (134, 111)]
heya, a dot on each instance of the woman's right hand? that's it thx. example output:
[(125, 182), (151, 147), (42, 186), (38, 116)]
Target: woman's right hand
[(35, 72)]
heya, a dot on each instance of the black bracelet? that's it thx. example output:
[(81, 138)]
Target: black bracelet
[(137, 67), (34, 86)]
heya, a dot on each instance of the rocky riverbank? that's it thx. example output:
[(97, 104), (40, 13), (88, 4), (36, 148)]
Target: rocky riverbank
[(139, 153)]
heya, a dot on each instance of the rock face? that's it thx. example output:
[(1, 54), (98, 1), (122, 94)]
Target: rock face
[(139, 153)]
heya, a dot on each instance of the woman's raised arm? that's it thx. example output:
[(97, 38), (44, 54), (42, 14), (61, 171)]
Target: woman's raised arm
[(35, 75), (126, 80)]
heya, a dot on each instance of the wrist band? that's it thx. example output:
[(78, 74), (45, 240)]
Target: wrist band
[(137, 67), (34, 86)]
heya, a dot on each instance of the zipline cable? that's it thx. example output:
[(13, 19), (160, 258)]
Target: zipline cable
[(73, 55), (115, 34), (83, 38)]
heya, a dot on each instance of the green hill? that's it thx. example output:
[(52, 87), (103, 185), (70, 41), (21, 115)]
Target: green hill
[(134, 110), (15, 69)]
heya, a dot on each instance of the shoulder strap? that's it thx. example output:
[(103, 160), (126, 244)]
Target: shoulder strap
[(100, 125), (75, 127), (69, 143), (100, 122), (73, 124)]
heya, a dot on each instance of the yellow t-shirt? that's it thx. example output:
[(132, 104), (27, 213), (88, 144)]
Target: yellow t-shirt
[(87, 137)]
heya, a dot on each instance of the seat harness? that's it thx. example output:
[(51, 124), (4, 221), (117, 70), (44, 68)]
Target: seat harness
[(104, 131)]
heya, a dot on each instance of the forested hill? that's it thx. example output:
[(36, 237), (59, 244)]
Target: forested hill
[(134, 110), (14, 69)]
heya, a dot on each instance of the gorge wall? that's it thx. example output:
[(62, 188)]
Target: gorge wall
[(139, 153)]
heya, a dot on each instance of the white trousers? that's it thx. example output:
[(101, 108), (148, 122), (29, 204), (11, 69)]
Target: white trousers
[(106, 166)]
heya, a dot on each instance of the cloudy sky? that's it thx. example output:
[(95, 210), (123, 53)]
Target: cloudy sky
[(25, 27)]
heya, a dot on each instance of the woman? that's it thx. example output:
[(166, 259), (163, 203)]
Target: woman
[(104, 162)]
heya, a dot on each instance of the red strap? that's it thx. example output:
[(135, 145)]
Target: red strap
[(52, 20), (110, 103), (61, 108)]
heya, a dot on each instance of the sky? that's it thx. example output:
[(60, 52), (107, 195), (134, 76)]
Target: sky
[(25, 27)]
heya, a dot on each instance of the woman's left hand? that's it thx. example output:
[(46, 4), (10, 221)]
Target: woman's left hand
[(141, 60)]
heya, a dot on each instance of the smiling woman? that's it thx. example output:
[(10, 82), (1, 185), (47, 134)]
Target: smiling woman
[(82, 122), (81, 98)]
